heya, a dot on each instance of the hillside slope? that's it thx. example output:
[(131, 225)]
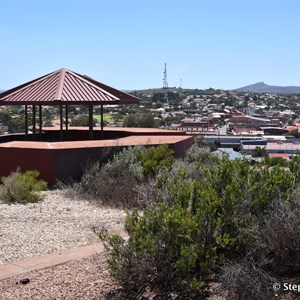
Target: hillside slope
[(261, 87)]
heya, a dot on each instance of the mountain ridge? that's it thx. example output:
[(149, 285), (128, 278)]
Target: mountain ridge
[(261, 87)]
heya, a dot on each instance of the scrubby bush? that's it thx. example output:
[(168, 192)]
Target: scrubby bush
[(197, 154), (272, 256), (195, 225), (21, 187), (82, 121), (115, 182), (155, 158), (123, 181), (246, 281), (276, 161), (139, 120)]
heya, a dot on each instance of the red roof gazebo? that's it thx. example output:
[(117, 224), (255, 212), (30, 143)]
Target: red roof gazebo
[(65, 153), (64, 87)]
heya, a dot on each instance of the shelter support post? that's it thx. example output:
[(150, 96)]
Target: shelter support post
[(26, 122), (67, 121), (101, 122), (33, 122), (61, 122), (90, 121), (40, 122)]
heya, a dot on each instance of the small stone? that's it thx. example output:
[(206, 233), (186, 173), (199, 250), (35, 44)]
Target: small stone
[(24, 280)]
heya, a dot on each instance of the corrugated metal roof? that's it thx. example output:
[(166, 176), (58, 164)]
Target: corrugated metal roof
[(65, 87)]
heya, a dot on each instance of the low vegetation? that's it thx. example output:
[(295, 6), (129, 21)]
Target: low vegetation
[(200, 219), (124, 181), (21, 187), (145, 120), (192, 221)]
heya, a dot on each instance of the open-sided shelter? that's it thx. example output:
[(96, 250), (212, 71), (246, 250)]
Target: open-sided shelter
[(64, 87), (64, 153)]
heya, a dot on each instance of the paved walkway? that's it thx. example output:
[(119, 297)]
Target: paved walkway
[(46, 261)]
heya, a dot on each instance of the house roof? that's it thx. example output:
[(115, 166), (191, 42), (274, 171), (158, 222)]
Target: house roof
[(228, 153), (279, 146), (65, 87)]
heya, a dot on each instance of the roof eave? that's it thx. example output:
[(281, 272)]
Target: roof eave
[(60, 102)]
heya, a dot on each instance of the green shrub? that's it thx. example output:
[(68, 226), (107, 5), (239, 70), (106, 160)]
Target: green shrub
[(22, 187), (195, 225), (124, 180), (82, 121), (117, 182), (145, 120), (276, 161), (156, 158), (197, 154)]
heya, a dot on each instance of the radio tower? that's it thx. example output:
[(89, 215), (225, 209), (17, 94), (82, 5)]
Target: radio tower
[(165, 82)]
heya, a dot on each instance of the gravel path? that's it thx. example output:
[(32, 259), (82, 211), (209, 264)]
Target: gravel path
[(86, 279), (53, 225), (59, 223)]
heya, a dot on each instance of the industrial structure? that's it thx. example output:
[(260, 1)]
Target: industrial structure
[(165, 80)]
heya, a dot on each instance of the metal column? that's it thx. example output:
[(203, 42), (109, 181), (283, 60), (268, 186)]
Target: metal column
[(101, 122), (26, 122), (41, 122), (33, 122), (67, 122), (91, 121), (61, 122)]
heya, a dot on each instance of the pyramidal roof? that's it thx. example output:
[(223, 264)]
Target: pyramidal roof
[(65, 87)]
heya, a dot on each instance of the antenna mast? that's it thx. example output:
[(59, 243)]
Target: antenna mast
[(165, 82)]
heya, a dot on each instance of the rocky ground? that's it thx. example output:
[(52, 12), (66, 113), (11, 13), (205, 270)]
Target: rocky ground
[(53, 225)]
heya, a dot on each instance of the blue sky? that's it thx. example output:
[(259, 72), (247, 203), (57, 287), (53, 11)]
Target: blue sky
[(123, 43)]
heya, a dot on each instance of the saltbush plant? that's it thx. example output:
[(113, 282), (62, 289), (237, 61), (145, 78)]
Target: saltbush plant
[(22, 187)]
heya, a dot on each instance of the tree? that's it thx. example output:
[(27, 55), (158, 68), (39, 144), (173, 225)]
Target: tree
[(48, 117), (260, 152), (295, 133), (82, 120), (16, 124), (158, 97), (142, 120), (5, 117)]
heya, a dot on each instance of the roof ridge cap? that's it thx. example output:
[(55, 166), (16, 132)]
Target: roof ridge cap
[(61, 79)]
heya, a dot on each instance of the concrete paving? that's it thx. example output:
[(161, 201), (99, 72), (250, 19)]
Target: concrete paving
[(41, 262)]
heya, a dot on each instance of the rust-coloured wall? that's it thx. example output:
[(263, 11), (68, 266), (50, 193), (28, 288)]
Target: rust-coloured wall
[(70, 163), (62, 160), (27, 159), (181, 147)]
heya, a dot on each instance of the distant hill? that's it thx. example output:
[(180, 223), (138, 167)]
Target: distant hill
[(261, 87)]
